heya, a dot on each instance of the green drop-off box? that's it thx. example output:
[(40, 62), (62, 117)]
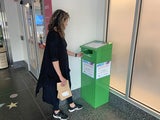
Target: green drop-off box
[(95, 72)]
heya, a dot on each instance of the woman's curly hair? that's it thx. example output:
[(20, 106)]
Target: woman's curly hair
[(57, 22)]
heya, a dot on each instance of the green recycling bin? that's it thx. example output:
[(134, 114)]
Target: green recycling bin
[(95, 72)]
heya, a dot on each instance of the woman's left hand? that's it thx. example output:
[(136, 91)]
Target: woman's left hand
[(79, 54)]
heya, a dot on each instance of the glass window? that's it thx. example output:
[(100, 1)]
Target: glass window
[(146, 72), (120, 26), (40, 29)]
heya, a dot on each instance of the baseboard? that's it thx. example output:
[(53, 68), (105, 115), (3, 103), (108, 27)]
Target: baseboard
[(20, 64)]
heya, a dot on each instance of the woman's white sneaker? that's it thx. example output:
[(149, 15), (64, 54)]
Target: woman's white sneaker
[(60, 115), (77, 107)]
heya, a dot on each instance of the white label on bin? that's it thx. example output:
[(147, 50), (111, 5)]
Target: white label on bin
[(103, 69), (88, 68)]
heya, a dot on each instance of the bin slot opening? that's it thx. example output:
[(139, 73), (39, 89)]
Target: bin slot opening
[(87, 52)]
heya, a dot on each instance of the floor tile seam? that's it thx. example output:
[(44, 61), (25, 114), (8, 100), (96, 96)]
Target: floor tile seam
[(31, 75), (34, 100)]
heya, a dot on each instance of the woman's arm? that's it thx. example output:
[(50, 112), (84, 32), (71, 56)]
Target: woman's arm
[(58, 71), (74, 54), (70, 53)]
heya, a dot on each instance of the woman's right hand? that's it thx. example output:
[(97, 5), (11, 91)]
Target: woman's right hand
[(63, 81)]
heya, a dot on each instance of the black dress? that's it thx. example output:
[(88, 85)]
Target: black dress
[(55, 50)]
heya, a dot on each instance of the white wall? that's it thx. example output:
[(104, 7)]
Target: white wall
[(14, 30), (86, 24)]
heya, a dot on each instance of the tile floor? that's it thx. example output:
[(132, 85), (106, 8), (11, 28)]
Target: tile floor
[(17, 86)]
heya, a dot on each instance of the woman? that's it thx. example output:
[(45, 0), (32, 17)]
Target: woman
[(55, 66)]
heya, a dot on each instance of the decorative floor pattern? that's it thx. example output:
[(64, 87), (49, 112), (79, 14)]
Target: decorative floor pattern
[(18, 101)]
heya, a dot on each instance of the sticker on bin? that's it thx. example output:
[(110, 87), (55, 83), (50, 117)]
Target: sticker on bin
[(103, 69), (88, 68)]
